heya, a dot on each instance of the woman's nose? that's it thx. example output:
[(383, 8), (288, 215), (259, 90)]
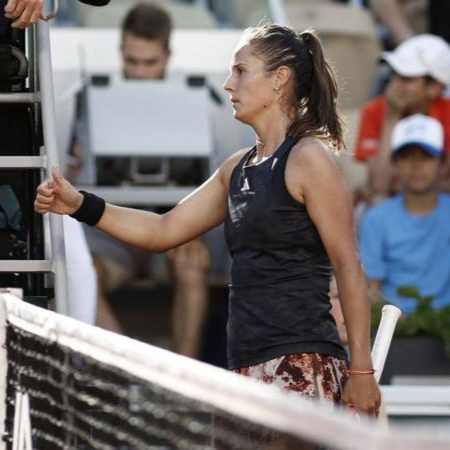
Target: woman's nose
[(227, 86)]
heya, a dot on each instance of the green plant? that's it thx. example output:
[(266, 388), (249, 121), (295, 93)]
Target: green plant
[(423, 321)]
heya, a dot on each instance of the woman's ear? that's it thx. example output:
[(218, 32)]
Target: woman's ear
[(283, 75)]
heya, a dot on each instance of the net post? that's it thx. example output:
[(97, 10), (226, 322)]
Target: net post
[(22, 424), (3, 370), (4, 361)]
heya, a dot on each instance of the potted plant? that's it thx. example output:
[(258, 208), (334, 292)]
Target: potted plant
[(421, 344)]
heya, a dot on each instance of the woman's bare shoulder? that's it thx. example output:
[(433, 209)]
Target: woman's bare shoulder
[(313, 153), (227, 167)]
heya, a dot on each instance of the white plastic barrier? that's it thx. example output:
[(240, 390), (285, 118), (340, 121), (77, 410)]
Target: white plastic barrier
[(417, 401)]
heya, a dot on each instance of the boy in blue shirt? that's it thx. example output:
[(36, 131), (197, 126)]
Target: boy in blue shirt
[(405, 240)]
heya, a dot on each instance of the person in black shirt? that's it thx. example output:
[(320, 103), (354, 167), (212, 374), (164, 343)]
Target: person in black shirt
[(288, 220), (27, 12)]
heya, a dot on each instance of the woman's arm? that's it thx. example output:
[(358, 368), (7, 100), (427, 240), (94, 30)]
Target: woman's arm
[(314, 178), (201, 211)]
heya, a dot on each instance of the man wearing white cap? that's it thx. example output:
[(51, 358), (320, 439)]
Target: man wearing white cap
[(406, 240), (421, 71)]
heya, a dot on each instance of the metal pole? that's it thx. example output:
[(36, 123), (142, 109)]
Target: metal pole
[(54, 12), (50, 143), (201, 3), (278, 11), (3, 363), (356, 3)]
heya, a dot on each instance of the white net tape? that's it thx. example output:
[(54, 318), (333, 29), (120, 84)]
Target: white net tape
[(92, 389)]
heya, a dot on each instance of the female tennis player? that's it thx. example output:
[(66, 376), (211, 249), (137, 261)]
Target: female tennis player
[(288, 222)]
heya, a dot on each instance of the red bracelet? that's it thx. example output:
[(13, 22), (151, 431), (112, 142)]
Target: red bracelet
[(360, 372)]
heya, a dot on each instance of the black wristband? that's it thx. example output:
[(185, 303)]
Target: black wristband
[(91, 210)]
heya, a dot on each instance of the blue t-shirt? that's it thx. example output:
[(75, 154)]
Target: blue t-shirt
[(400, 249)]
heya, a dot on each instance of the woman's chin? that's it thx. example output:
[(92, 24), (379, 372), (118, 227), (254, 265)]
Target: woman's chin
[(241, 117)]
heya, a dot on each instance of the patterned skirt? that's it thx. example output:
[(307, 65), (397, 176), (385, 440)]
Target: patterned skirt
[(310, 375)]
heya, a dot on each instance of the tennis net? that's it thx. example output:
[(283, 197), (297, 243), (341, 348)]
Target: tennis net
[(73, 386)]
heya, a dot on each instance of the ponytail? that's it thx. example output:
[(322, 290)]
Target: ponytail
[(317, 108)]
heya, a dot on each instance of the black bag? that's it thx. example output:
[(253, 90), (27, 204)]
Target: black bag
[(13, 68), (11, 247), (13, 63)]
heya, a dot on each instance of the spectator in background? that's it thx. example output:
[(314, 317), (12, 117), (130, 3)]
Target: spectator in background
[(146, 32), (421, 70), (406, 240), (391, 13), (145, 54)]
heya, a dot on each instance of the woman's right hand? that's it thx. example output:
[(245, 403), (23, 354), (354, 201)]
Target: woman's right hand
[(24, 12), (57, 196)]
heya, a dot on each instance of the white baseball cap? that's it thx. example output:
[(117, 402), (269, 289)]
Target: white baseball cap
[(421, 55), (421, 131)]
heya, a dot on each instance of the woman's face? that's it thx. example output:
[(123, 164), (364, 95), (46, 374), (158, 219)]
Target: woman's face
[(251, 88)]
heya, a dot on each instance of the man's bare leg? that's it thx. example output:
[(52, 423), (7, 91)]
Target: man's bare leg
[(105, 318), (189, 266)]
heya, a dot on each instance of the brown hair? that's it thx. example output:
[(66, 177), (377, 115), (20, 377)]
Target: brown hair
[(315, 87), (149, 22)]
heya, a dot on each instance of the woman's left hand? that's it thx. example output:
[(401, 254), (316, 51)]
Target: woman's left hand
[(362, 393)]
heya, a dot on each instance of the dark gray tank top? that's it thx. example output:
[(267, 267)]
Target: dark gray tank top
[(280, 274)]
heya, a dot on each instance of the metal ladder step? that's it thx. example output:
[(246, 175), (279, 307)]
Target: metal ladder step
[(27, 97), (23, 162), (23, 265)]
